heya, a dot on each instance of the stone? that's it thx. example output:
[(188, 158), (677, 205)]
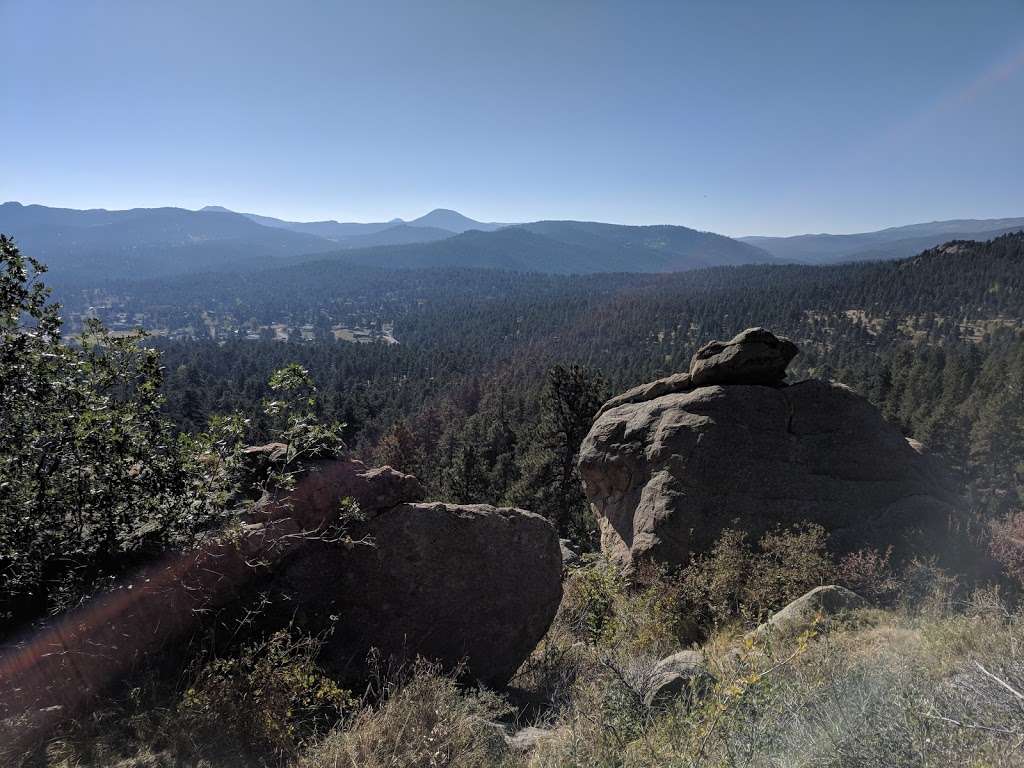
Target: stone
[(682, 674), (666, 476), (469, 585), (315, 500), (755, 356), (454, 584), (824, 604), (526, 739), (677, 382), (570, 556)]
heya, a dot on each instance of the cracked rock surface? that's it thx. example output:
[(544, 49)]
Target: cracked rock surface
[(666, 475)]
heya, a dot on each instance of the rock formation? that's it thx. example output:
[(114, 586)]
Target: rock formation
[(668, 466), (474, 585), (453, 583)]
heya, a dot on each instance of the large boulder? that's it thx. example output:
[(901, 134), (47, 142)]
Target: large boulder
[(459, 584), (451, 583), (666, 475)]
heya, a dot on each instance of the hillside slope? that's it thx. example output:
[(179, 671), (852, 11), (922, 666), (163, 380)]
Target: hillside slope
[(148, 242), (570, 247), (892, 243)]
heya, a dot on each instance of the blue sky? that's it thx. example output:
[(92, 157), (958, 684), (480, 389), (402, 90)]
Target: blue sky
[(742, 118)]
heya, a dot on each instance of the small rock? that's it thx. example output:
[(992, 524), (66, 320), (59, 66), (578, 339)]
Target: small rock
[(677, 382), (827, 603), (570, 556), (528, 738), (681, 674)]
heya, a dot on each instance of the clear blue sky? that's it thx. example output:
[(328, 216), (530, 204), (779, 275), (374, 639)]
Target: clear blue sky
[(742, 118)]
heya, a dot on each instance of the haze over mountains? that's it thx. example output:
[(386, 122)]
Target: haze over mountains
[(892, 243), (97, 244)]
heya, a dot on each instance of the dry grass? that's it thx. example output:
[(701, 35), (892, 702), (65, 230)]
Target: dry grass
[(931, 684), (425, 721)]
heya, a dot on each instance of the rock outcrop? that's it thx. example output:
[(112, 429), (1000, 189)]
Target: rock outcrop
[(668, 466), (755, 356), (470, 584), (473, 587)]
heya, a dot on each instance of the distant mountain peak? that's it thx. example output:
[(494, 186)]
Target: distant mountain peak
[(446, 218), (215, 209)]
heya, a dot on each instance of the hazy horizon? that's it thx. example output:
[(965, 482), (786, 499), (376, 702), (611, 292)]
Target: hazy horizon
[(506, 220), (742, 120)]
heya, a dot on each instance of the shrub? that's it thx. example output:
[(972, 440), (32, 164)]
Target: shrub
[(869, 573), (738, 581), (93, 479), (927, 588), (791, 562), (588, 605), (1007, 545), (713, 585), (425, 721), (271, 697)]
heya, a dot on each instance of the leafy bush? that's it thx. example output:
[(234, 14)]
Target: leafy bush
[(89, 472), (92, 477), (589, 599), (270, 697), (737, 581), (789, 563)]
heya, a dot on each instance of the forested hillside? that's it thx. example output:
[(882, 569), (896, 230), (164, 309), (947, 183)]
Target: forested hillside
[(892, 243), (934, 340)]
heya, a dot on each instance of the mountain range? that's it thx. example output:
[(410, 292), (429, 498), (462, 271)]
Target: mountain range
[(393, 232), (892, 243), (96, 245)]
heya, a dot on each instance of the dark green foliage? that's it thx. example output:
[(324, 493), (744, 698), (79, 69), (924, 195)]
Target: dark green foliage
[(934, 341), (89, 471), (549, 482), (270, 697), (93, 477)]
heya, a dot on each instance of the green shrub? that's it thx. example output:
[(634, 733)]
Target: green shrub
[(789, 563), (740, 582), (271, 697), (589, 600)]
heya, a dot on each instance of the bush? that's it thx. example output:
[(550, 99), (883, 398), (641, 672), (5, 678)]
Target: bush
[(93, 480), (425, 721), (271, 697), (589, 600), (739, 582), (869, 573), (790, 563), (1007, 545), (927, 588)]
